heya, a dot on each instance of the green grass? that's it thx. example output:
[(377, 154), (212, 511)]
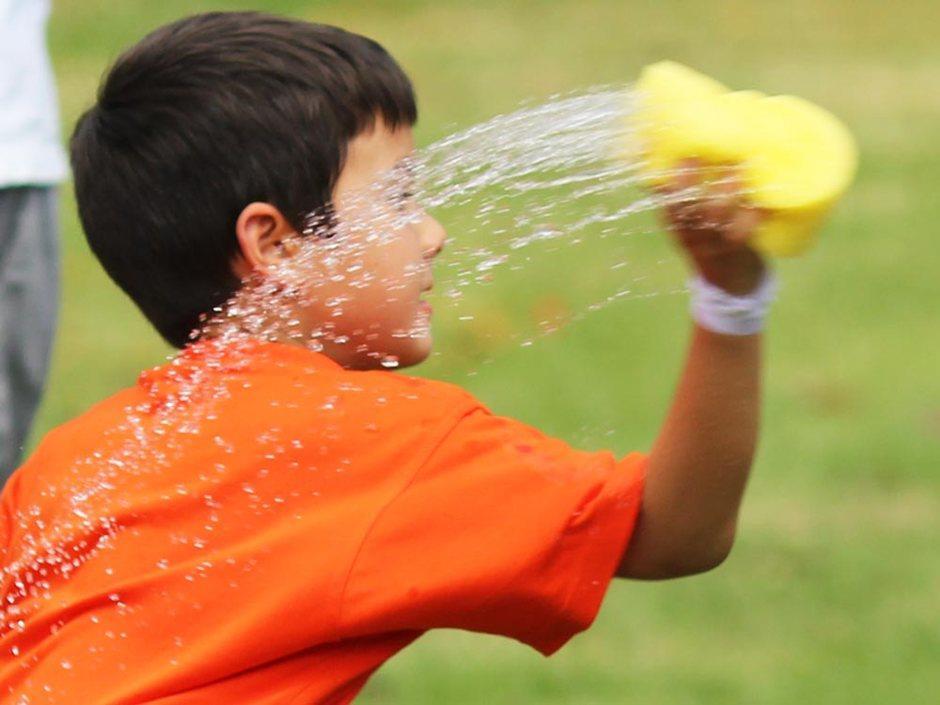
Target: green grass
[(832, 593)]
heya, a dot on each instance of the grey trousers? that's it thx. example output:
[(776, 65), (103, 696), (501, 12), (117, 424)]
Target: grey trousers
[(29, 302)]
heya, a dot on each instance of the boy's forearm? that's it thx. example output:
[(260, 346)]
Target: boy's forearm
[(699, 465)]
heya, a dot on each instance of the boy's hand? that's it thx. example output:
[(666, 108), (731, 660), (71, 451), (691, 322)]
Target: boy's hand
[(715, 226)]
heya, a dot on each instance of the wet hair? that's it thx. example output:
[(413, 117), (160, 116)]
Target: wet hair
[(204, 116)]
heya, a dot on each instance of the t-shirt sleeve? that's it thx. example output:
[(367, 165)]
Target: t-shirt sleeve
[(502, 530)]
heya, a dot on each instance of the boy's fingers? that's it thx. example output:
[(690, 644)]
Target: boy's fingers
[(688, 175), (739, 219), (727, 183), (684, 210), (725, 189), (720, 208), (715, 209), (708, 204), (686, 215), (744, 225)]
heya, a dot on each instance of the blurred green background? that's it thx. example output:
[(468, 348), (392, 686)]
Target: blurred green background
[(833, 592)]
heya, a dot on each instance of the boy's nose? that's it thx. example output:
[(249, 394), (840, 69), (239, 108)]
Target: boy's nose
[(433, 236)]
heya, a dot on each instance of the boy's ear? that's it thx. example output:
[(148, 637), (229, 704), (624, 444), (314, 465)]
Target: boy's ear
[(265, 238)]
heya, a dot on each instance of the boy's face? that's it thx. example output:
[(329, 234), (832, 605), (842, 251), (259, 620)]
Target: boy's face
[(362, 297)]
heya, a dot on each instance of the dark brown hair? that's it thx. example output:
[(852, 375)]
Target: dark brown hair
[(204, 116)]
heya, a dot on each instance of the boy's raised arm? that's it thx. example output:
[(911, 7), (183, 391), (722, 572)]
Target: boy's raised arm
[(699, 464)]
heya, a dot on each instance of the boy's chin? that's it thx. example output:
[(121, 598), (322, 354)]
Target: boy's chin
[(414, 352), (407, 353), (399, 352)]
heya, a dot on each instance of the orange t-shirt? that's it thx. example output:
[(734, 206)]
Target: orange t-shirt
[(255, 524)]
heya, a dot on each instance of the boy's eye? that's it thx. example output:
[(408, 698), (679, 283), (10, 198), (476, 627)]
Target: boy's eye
[(403, 193)]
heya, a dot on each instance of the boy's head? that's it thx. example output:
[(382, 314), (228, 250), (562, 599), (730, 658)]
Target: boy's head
[(215, 137)]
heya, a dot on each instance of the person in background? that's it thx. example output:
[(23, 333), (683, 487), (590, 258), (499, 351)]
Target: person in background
[(32, 163)]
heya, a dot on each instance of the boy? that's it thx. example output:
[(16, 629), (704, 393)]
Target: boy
[(271, 516)]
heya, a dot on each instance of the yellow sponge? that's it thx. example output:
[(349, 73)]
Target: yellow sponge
[(796, 159)]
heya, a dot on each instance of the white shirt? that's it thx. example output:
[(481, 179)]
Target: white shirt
[(30, 148)]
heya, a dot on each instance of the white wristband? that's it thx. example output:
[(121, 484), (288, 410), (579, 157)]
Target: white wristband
[(716, 310)]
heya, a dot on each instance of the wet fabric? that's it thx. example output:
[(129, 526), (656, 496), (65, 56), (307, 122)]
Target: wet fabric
[(258, 525), (29, 300)]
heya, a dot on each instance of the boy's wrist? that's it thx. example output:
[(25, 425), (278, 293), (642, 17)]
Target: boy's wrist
[(738, 273)]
